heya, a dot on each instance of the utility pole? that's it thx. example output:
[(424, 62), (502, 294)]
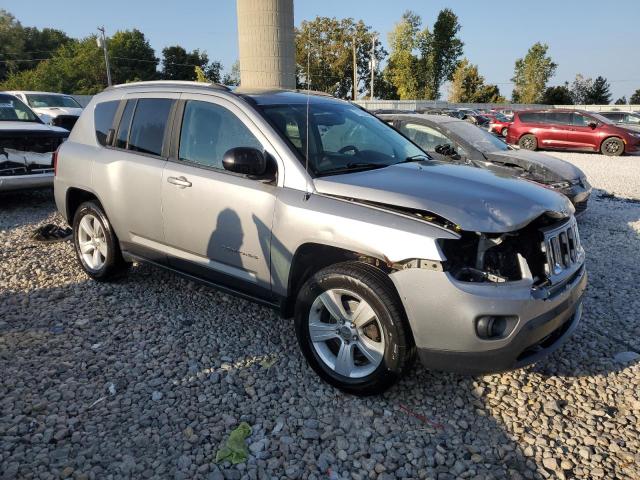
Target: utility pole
[(373, 62), (355, 70), (102, 42)]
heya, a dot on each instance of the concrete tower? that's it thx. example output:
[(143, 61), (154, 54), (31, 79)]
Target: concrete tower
[(267, 44)]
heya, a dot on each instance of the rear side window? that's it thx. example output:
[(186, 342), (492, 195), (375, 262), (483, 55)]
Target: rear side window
[(531, 117), (149, 124), (103, 119), (125, 123), (558, 118)]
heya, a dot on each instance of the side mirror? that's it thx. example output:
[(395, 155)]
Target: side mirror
[(447, 150), (245, 160), (593, 125)]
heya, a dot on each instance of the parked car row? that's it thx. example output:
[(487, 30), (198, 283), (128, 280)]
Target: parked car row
[(313, 206)]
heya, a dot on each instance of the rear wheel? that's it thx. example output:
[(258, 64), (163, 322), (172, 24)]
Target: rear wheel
[(352, 329), (96, 244), (528, 142), (612, 147)]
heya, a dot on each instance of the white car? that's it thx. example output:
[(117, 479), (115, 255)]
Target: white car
[(55, 109), (26, 146)]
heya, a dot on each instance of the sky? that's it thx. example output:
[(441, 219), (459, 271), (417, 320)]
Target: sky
[(584, 36)]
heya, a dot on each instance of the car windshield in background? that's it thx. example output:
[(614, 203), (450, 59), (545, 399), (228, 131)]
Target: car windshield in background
[(342, 138), (602, 119), (13, 110), (43, 100), (480, 139), (501, 117)]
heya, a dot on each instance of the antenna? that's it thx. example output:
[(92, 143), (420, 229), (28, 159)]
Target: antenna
[(307, 119)]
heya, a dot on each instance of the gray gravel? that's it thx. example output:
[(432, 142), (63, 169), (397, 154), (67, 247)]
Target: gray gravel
[(146, 377)]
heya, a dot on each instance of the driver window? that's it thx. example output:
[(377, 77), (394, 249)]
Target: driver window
[(426, 137), (209, 131), (580, 120)]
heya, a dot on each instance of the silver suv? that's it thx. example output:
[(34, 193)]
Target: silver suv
[(315, 207)]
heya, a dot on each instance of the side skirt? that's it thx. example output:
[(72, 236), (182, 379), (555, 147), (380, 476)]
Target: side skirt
[(274, 303)]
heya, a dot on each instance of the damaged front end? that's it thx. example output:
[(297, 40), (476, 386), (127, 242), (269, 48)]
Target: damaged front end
[(26, 158), (543, 253)]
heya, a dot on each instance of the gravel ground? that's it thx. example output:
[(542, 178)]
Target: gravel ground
[(146, 377)]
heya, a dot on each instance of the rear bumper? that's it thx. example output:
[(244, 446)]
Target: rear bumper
[(443, 312), (25, 182)]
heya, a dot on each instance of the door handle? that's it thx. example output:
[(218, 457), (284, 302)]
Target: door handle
[(181, 182)]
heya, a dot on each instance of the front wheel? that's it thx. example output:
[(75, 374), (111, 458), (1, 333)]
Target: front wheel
[(504, 132), (528, 142), (612, 147), (352, 329)]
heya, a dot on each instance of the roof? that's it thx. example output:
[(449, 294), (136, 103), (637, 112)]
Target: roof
[(278, 97), (418, 117)]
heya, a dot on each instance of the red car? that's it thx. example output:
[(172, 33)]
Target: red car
[(499, 124), (571, 130)]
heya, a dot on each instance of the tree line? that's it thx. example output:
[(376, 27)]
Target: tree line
[(337, 56)]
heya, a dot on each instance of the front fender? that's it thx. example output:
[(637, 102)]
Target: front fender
[(301, 218)]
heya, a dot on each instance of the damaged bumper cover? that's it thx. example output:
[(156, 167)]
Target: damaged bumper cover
[(444, 315), (25, 170)]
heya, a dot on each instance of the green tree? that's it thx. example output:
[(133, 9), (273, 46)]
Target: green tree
[(621, 101), (467, 86), (600, 93), (441, 51), (324, 55), (76, 67), (131, 57), (232, 78), (178, 64), (635, 98), (403, 68), (200, 76), (11, 44), (560, 95), (41, 44), (531, 74)]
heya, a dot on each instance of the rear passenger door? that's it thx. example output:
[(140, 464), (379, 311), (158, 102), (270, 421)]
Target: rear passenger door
[(217, 223), (128, 175)]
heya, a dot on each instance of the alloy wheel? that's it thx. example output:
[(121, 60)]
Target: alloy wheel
[(92, 242), (346, 333)]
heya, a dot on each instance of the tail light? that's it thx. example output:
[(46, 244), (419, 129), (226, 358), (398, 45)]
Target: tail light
[(54, 161)]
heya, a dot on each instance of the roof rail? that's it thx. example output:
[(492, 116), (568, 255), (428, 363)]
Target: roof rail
[(170, 83)]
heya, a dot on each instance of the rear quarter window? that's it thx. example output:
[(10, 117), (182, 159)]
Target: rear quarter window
[(103, 119)]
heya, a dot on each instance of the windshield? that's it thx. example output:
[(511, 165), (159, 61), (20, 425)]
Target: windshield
[(601, 118), (341, 137), (477, 137), (13, 110), (45, 100)]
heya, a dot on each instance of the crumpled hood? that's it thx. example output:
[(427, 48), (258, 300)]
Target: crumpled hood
[(55, 111), (475, 199), (543, 168)]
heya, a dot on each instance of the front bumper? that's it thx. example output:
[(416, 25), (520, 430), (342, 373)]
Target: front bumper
[(442, 313), (579, 195), (25, 182)]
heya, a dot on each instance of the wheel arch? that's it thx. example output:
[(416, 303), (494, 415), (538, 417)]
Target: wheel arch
[(312, 257), (76, 197)]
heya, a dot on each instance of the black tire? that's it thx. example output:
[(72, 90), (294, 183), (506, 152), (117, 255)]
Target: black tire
[(376, 288), (113, 265), (612, 147), (504, 132), (528, 142)]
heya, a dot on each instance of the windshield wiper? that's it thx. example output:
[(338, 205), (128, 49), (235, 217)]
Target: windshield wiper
[(414, 158), (355, 166)]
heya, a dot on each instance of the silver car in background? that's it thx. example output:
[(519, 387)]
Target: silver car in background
[(317, 208)]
